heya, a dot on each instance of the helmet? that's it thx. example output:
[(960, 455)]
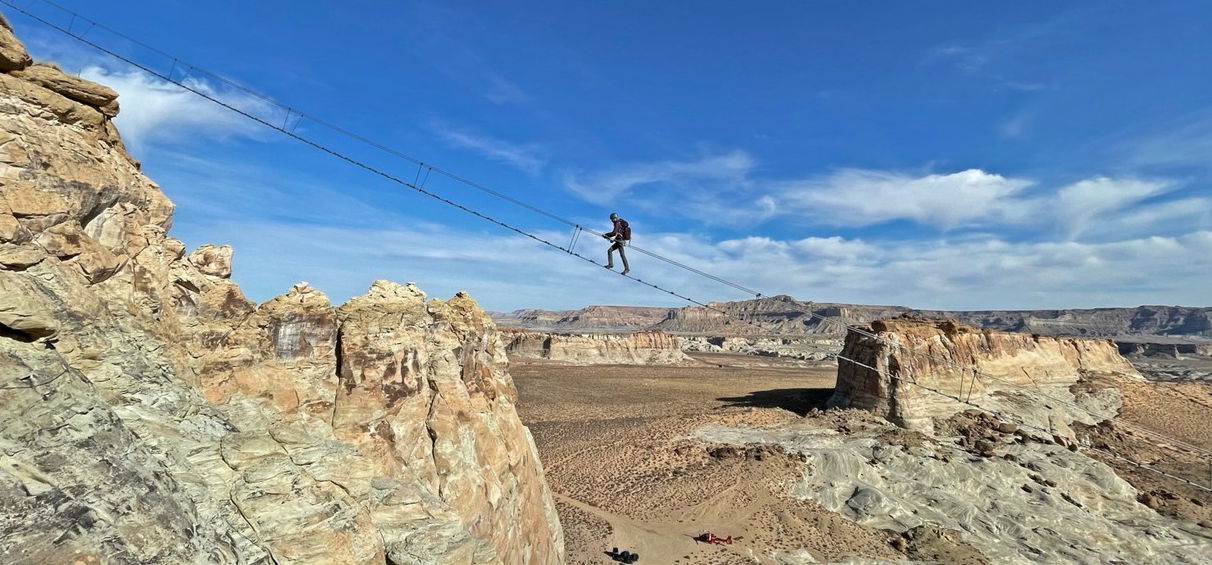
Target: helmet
[(614, 216)]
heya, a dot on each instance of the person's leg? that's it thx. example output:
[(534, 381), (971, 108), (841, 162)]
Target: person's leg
[(623, 256), (610, 256)]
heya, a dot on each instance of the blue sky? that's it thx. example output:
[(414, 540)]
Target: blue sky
[(940, 155)]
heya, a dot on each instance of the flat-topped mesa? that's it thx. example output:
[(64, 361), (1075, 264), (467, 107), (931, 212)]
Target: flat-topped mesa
[(1019, 373), (640, 348)]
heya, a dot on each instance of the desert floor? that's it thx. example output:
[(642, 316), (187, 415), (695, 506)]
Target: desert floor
[(614, 442)]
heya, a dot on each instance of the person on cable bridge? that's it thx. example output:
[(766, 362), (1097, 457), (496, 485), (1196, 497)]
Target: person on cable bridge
[(620, 236)]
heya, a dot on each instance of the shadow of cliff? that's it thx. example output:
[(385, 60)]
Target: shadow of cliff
[(797, 400)]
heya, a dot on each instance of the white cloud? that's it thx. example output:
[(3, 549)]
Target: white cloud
[(1085, 202), (720, 186), (835, 247), (970, 274), (158, 112), (859, 198), (525, 157), (722, 189)]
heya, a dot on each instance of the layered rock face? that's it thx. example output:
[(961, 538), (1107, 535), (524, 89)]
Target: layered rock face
[(971, 364), (152, 414), (803, 348), (1173, 350), (588, 319), (640, 348)]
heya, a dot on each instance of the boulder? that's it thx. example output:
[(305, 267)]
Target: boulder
[(214, 260), (51, 77)]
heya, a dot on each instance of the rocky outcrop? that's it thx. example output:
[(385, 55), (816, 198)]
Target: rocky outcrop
[(802, 348), (916, 359), (640, 348), (51, 77), (12, 51), (152, 414), (1025, 502), (214, 260)]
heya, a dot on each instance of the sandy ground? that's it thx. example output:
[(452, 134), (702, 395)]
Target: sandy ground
[(614, 442), (1182, 411)]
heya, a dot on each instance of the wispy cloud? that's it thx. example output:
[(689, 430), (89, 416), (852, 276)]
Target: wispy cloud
[(502, 91), (1085, 204), (1185, 141), (526, 157), (998, 59), (155, 111), (984, 61), (697, 184), (1016, 125)]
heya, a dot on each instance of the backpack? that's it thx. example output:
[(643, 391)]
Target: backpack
[(625, 229)]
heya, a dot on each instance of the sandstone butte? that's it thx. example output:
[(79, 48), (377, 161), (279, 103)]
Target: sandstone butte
[(638, 348), (153, 414), (918, 361)]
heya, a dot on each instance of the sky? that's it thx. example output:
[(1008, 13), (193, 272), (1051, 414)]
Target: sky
[(943, 155)]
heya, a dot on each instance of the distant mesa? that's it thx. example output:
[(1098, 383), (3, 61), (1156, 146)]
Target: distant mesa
[(785, 316)]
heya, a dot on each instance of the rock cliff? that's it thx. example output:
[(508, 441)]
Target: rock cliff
[(990, 368), (640, 348), (152, 414), (588, 319)]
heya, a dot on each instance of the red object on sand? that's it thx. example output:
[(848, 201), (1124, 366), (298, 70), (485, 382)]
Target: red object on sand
[(708, 537)]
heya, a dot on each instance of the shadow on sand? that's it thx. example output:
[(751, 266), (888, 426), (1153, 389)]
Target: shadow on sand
[(797, 400)]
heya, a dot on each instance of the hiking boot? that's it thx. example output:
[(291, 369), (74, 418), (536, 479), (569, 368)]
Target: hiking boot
[(625, 271), (609, 265)]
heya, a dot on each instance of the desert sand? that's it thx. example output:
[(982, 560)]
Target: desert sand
[(621, 455), (616, 445)]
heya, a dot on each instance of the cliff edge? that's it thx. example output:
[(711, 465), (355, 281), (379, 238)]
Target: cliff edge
[(153, 414)]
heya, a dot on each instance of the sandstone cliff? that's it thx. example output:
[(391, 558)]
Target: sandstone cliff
[(999, 370), (152, 414), (588, 319), (640, 348)]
